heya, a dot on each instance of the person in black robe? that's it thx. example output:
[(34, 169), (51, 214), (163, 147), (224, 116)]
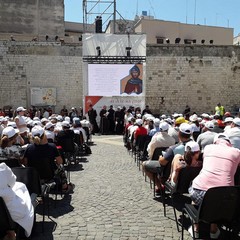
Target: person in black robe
[(119, 120), (104, 120), (111, 120), (92, 114)]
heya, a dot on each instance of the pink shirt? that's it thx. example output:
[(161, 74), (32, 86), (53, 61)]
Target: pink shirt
[(220, 162)]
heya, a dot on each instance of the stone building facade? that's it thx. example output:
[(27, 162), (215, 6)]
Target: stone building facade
[(31, 18), (200, 76)]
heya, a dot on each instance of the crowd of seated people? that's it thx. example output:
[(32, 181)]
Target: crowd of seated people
[(209, 142), (25, 140)]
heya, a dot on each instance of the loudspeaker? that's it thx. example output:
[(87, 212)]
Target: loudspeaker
[(98, 24)]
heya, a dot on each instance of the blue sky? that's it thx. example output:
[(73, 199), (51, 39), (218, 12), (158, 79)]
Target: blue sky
[(222, 13)]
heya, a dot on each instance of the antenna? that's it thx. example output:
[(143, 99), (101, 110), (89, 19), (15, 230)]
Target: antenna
[(195, 10), (186, 11), (137, 9)]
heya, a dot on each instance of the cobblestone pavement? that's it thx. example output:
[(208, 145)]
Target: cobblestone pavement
[(111, 200)]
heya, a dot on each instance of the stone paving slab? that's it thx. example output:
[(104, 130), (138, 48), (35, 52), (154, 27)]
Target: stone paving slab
[(111, 200)]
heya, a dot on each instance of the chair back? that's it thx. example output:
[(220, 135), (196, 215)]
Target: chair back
[(220, 205), (87, 132), (44, 167), (6, 221), (158, 152), (11, 162), (140, 142), (185, 177), (30, 177), (78, 138), (50, 140), (67, 144)]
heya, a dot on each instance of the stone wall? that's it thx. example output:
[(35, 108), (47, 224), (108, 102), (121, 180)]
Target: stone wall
[(200, 76), (36, 17), (26, 65)]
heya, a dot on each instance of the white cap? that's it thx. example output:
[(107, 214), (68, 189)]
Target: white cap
[(193, 118), (37, 131), (12, 124), (9, 131), (44, 120), (37, 122), (139, 115), (220, 136), (139, 122), (192, 146), (236, 121), (20, 109), (164, 126), (3, 119), (59, 118), (49, 125), (209, 125), (175, 115), (76, 120), (228, 119), (67, 119), (156, 122), (65, 124), (36, 119), (30, 123), (185, 128), (205, 115)]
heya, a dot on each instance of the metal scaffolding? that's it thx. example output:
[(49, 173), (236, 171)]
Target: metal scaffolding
[(101, 8)]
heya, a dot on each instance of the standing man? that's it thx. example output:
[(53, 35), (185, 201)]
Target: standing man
[(92, 115), (119, 120), (146, 110), (104, 121), (111, 121), (219, 110)]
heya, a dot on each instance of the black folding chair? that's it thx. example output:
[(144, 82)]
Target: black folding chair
[(68, 147), (78, 139), (155, 157), (143, 155), (30, 177), (45, 168), (87, 133), (139, 147), (185, 178), (11, 162), (220, 205)]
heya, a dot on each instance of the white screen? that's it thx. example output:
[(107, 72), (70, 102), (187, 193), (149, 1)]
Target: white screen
[(106, 79)]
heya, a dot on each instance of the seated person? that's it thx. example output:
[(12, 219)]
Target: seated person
[(17, 200), (160, 139), (152, 168), (8, 149), (190, 158), (65, 138), (220, 162), (49, 132), (42, 149)]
